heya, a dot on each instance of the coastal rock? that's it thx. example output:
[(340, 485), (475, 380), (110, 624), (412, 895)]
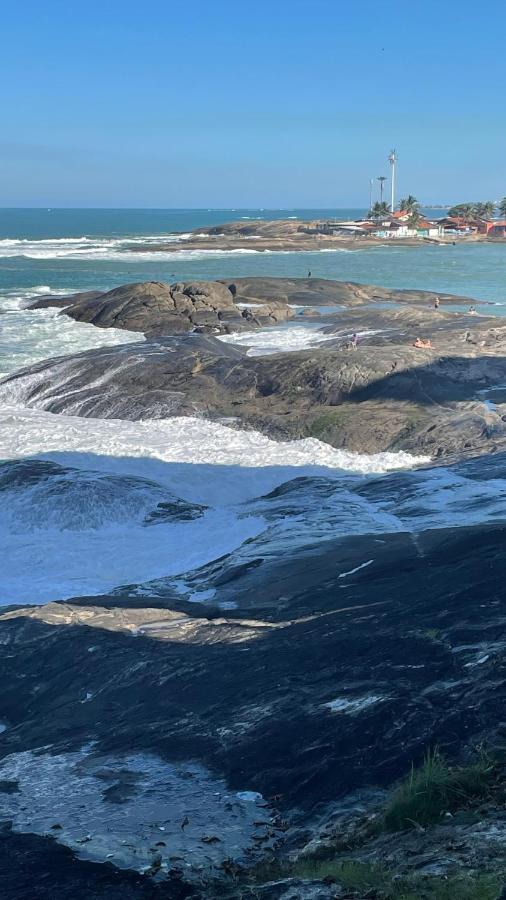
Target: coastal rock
[(385, 396), (156, 308), (326, 292), (328, 677), (287, 235), (56, 300)]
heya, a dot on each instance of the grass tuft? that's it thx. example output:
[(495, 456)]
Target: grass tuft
[(437, 788), (369, 879)]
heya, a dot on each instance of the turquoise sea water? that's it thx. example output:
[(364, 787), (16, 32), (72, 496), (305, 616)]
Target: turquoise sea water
[(71, 249)]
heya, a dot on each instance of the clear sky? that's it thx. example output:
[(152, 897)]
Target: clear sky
[(227, 103)]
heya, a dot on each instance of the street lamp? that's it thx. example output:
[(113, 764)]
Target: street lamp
[(392, 159)]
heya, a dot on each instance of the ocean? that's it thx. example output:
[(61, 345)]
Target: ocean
[(79, 496), (72, 249)]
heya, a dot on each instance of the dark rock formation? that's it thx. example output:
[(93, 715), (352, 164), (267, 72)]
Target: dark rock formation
[(56, 300), (37, 868), (326, 292), (339, 678), (386, 395), (156, 308), (318, 665), (226, 306)]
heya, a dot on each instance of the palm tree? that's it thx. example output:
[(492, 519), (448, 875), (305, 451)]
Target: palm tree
[(484, 210), (414, 218), (379, 209), (463, 210), (502, 206), (409, 204), (382, 179)]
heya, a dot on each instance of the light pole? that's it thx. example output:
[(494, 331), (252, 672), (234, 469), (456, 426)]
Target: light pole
[(381, 179), (371, 182), (392, 159)]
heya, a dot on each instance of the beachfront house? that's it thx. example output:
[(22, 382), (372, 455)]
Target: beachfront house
[(492, 227), (458, 225), (424, 228), (396, 227)]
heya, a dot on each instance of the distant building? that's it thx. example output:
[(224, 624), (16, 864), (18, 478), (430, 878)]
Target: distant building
[(458, 225), (492, 227), (395, 227)]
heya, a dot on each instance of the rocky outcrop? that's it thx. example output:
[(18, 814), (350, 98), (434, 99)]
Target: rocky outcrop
[(328, 677), (180, 731), (156, 308), (56, 300), (312, 292), (386, 395), (224, 306), (284, 235)]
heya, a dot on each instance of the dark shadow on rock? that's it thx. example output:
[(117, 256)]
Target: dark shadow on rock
[(446, 379), (38, 868)]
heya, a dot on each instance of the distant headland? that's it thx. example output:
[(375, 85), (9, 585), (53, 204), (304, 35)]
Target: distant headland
[(406, 226)]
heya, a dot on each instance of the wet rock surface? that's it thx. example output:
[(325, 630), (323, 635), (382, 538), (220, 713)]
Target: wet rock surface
[(163, 738), (322, 660), (385, 395)]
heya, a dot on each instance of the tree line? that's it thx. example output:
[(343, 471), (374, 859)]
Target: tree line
[(410, 205), (483, 210)]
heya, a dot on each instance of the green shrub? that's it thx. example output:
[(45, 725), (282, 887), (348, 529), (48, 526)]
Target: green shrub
[(436, 788), (368, 878)]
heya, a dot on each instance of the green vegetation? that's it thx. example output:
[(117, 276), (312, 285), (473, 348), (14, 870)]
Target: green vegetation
[(409, 204), (437, 788), (421, 800), (368, 879), (379, 209), (483, 210), (502, 206), (327, 422)]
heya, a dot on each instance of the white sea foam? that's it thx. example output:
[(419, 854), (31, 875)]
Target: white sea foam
[(80, 247), (244, 464), (285, 338), (27, 336), (86, 248), (98, 527), (277, 339), (124, 249)]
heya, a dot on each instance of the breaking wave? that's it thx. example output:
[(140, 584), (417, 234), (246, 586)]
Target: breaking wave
[(29, 336), (89, 505)]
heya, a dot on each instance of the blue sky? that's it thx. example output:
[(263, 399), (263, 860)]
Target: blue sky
[(280, 103)]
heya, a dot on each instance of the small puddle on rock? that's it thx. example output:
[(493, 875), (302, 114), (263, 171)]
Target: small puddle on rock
[(135, 810)]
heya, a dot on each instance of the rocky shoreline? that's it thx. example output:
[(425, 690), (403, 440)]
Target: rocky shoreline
[(282, 236), (240, 730), (386, 395)]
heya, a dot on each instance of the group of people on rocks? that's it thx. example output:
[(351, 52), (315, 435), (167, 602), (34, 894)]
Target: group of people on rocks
[(419, 343)]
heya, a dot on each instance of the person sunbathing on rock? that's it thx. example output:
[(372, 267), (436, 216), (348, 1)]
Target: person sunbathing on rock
[(423, 345)]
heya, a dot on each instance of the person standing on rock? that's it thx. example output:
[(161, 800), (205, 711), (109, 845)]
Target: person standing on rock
[(436, 303)]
